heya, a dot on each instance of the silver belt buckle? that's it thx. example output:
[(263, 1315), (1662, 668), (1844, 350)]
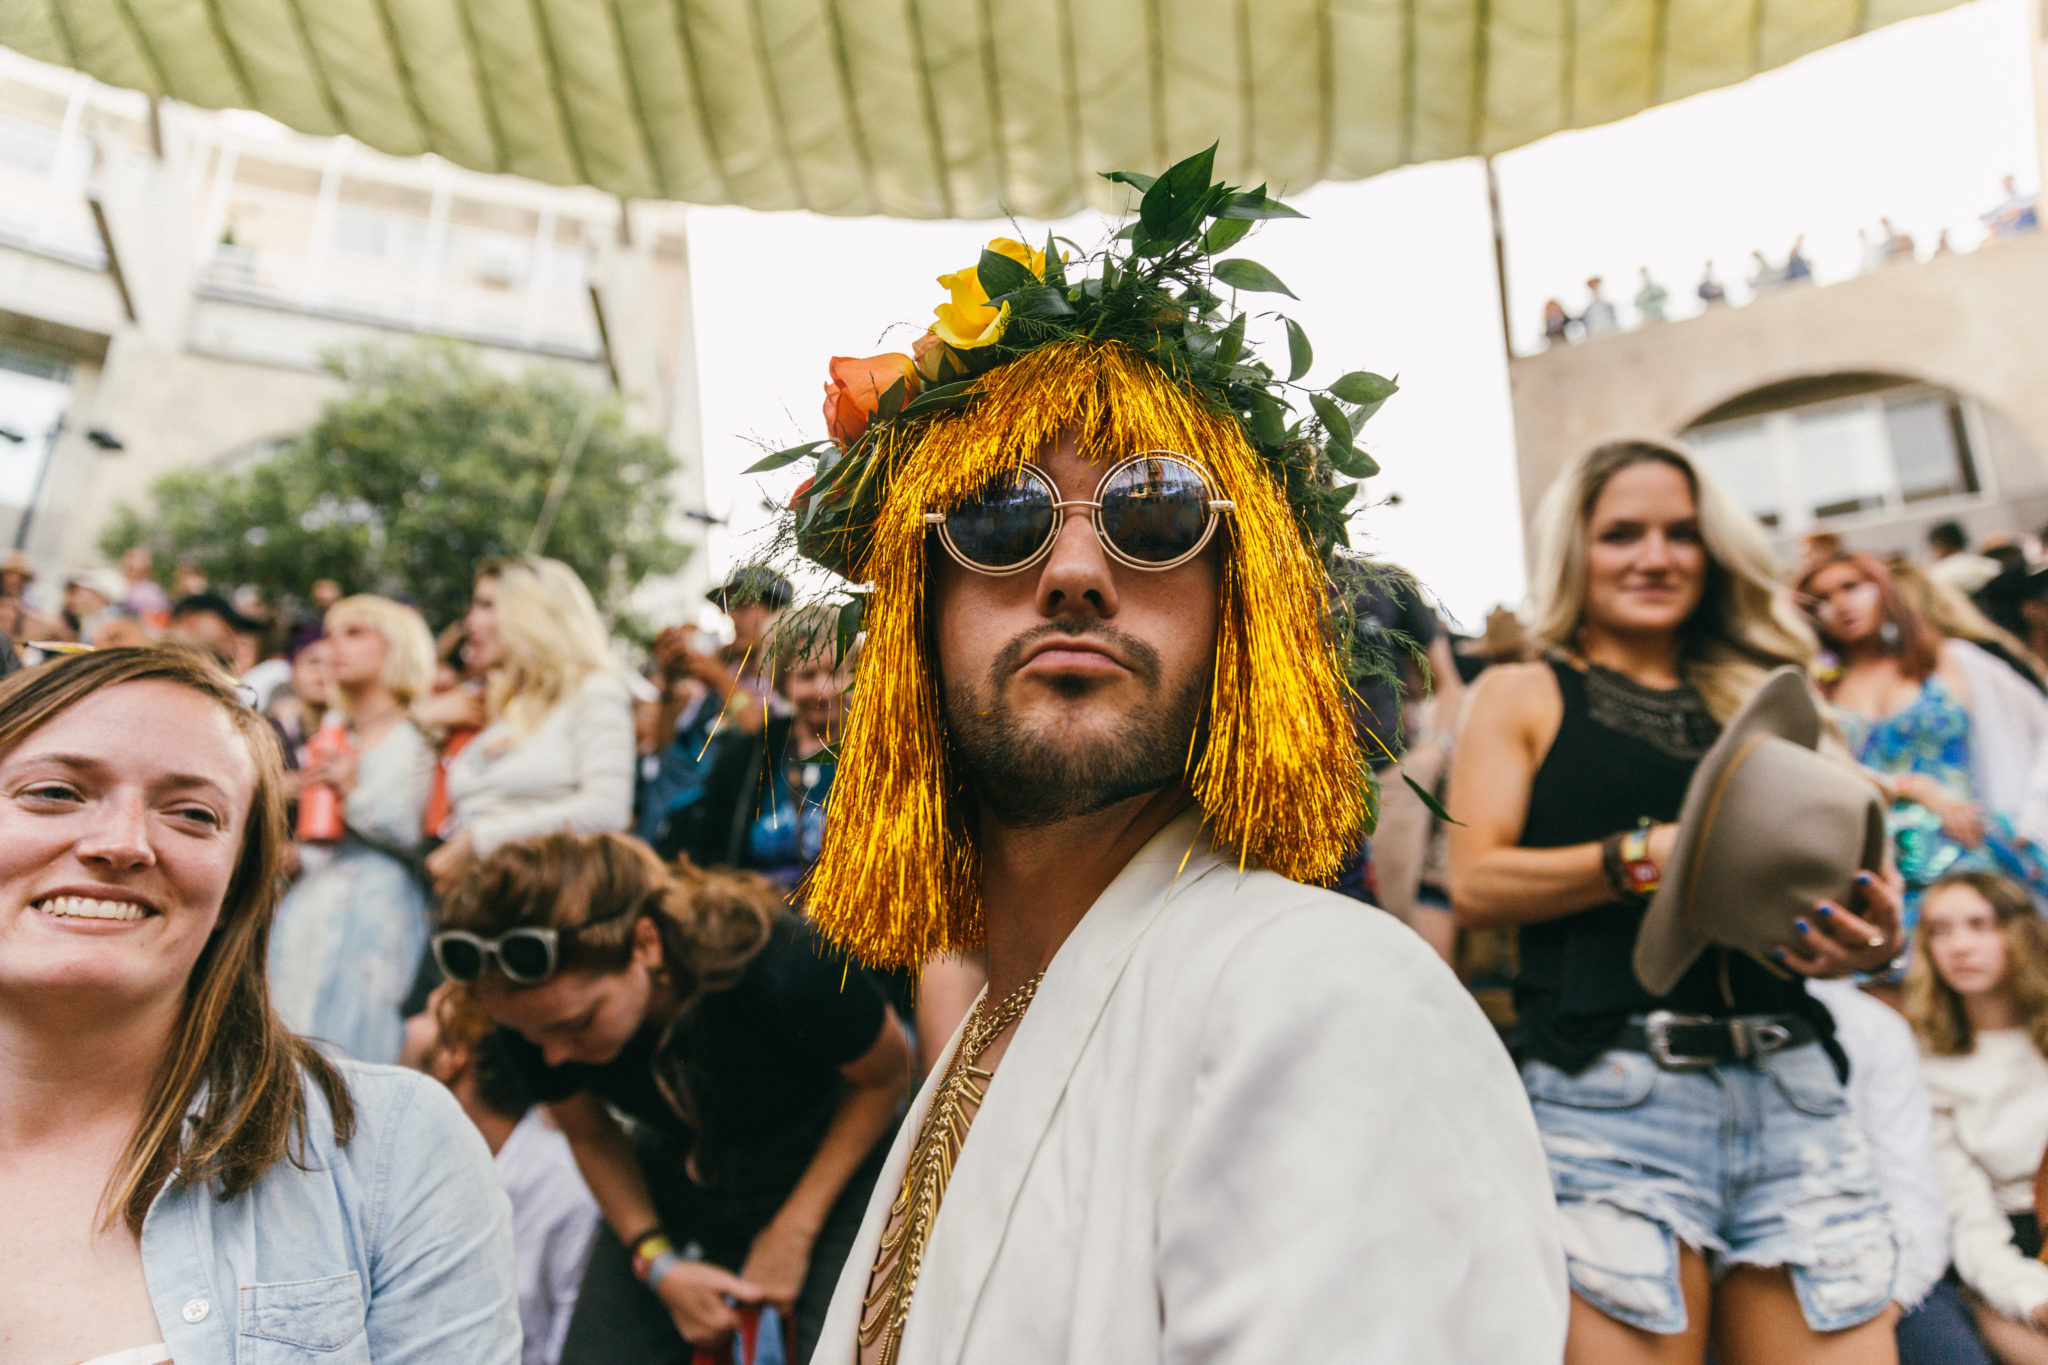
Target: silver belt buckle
[(1759, 1037), (1657, 1026)]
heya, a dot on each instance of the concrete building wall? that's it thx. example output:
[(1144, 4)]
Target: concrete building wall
[(191, 270), (1976, 324)]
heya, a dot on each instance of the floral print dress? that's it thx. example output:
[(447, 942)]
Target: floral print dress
[(1931, 737)]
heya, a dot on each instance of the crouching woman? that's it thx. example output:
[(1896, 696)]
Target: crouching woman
[(183, 1177), (761, 1075)]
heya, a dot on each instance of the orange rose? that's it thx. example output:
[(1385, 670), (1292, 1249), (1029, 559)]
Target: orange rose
[(854, 392), (936, 361)]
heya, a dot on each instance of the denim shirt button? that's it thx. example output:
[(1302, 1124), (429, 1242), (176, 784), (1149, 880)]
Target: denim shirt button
[(196, 1310)]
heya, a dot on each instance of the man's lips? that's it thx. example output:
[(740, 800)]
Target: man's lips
[(1071, 654)]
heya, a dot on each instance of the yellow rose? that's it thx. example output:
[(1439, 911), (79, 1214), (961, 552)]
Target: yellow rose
[(968, 322)]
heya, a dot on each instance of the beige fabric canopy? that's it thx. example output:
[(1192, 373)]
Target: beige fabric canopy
[(931, 108)]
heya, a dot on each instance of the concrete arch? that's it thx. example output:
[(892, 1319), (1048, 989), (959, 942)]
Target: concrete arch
[(1976, 324)]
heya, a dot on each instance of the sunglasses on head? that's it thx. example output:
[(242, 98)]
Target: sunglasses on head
[(526, 955), (1153, 511)]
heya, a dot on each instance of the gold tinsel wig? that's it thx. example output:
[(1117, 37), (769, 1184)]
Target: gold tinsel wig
[(1279, 774), (1131, 350)]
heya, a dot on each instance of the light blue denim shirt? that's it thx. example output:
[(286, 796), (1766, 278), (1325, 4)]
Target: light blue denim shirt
[(393, 1250)]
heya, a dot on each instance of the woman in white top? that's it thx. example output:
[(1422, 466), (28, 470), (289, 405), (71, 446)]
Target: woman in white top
[(1977, 995), (557, 750)]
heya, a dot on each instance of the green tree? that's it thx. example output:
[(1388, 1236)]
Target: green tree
[(429, 464)]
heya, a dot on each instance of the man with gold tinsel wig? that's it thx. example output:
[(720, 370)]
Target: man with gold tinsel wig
[(1102, 730)]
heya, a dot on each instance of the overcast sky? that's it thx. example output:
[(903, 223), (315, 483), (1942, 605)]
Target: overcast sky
[(1917, 121)]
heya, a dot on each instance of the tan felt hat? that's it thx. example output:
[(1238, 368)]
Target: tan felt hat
[(1769, 826)]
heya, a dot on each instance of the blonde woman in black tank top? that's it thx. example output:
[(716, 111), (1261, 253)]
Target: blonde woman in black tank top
[(1687, 1186)]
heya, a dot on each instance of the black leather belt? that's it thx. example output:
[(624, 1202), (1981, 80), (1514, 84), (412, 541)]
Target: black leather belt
[(1688, 1042)]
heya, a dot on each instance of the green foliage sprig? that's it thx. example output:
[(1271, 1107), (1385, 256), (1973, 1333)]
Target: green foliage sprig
[(1158, 286)]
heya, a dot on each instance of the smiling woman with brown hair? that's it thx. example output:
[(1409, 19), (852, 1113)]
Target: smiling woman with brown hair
[(182, 1175)]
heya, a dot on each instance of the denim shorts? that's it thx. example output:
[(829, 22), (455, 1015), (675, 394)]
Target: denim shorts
[(1754, 1164)]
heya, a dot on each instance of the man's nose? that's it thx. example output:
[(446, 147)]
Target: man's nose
[(1077, 576)]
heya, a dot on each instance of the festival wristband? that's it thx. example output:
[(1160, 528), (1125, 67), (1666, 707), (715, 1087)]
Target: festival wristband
[(648, 1249), (1625, 859), (658, 1267), (1642, 874)]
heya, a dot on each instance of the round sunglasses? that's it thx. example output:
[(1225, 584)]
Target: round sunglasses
[(527, 955), (1153, 511)]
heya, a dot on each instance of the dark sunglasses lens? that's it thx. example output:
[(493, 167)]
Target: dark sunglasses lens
[(525, 956), (1155, 511), (460, 959), (1007, 525)]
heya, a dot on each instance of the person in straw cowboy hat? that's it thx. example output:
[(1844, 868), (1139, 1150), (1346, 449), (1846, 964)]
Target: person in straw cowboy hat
[(1203, 1110), (1710, 1183)]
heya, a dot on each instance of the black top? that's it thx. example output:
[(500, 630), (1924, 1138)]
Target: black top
[(1623, 753), (756, 1066)]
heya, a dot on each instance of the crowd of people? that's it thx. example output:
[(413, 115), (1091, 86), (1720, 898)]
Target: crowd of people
[(373, 992), (2015, 215), (622, 1001)]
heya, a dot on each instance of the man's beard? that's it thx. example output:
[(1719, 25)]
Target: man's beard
[(1031, 780)]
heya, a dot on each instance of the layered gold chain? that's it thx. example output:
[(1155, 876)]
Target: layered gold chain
[(959, 1096)]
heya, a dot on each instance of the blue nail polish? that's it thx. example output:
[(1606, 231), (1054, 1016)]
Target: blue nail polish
[(1802, 926), (1778, 953), (1823, 909), (1864, 879)]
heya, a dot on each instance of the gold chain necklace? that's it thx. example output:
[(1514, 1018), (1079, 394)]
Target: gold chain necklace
[(894, 1278)]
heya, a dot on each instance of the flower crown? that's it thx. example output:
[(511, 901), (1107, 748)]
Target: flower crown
[(1154, 287)]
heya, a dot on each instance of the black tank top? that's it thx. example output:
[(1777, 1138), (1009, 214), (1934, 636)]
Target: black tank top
[(1623, 754)]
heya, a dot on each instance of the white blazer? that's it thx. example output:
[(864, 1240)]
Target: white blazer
[(1243, 1121)]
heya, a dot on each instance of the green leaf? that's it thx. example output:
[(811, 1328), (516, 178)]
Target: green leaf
[(1299, 354), (941, 396), (781, 458), (1269, 424), (1043, 301), (1352, 462), (1232, 341), (1224, 234), (848, 625), (891, 401), (1436, 807), (1251, 277), (1137, 180), (1365, 389), (999, 275), (1334, 421), (1055, 268), (1172, 202), (1255, 204)]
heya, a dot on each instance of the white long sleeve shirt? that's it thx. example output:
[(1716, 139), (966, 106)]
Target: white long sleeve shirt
[(573, 772), (1889, 1103), (553, 1218), (1990, 1130)]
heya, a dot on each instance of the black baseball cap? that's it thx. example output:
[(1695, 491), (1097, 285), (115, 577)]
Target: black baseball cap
[(213, 604), (751, 585)]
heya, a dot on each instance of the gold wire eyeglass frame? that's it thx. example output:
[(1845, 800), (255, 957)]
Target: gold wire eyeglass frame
[(1061, 510)]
